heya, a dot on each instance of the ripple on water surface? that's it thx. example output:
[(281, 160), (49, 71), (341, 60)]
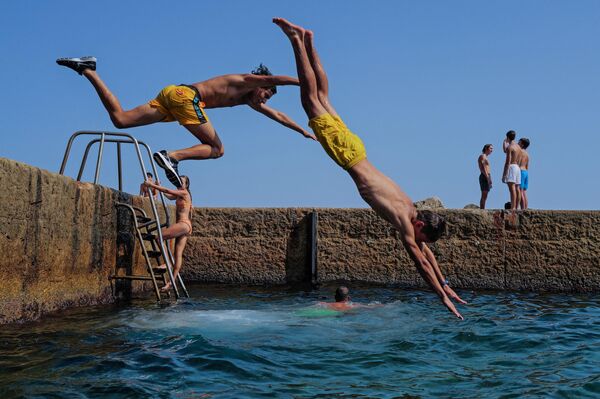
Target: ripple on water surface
[(233, 343)]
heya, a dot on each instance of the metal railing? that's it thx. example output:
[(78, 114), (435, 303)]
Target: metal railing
[(123, 138)]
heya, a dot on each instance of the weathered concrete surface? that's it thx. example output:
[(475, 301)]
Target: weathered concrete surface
[(254, 246), (58, 240), (485, 249)]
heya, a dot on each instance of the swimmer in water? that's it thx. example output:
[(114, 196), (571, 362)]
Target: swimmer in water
[(342, 300), (182, 228)]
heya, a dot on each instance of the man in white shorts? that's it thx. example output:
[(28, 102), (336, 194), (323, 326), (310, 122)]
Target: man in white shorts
[(512, 172)]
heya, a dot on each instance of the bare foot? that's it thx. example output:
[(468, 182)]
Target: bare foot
[(289, 28), (308, 35), (166, 287)]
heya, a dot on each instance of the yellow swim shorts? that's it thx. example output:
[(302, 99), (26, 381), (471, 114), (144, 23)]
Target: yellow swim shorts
[(343, 146), (181, 103)]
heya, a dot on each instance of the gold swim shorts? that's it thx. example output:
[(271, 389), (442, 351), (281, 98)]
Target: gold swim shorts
[(343, 146), (181, 103)]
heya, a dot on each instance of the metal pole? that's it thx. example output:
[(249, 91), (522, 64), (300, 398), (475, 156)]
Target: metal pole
[(119, 166), (100, 150)]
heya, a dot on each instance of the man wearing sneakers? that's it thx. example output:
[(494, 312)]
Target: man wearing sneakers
[(186, 104)]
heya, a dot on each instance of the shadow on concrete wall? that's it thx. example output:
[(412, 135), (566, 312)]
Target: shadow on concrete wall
[(297, 257)]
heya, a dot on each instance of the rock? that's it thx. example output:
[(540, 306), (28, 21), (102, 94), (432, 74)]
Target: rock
[(471, 206), (430, 203)]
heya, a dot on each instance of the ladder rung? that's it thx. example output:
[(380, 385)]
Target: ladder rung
[(148, 237), (133, 277), (159, 270), (153, 228), (143, 219), (154, 254)]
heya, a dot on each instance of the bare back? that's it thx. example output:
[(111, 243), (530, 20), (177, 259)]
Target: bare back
[(524, 160), (513, 153), (224, 91)]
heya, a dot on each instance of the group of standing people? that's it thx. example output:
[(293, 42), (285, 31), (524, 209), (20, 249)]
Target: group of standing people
[(515, 172)]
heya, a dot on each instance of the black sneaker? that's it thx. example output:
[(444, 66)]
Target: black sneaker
[(78, 64), (169, 164)]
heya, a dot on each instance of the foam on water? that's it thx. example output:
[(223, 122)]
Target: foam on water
[(267, 343)]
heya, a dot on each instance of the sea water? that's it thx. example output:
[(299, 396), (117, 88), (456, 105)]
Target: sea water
[(227, 342)]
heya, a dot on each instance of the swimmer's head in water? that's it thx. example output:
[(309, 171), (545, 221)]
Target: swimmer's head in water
[(429, 226), (342, 294), (186, 181)]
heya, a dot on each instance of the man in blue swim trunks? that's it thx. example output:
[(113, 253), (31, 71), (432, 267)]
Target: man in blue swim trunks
[(524, 165)]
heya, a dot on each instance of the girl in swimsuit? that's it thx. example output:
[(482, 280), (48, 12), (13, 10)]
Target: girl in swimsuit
[(183, 223)]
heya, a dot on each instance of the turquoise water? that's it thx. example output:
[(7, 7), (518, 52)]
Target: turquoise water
[(269, 343)]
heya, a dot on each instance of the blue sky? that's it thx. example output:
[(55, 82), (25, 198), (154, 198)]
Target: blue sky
[(424, 84)]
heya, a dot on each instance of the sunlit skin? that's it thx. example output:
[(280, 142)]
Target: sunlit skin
[(182, 227), (484, 168), (383, 195), (218, 92)]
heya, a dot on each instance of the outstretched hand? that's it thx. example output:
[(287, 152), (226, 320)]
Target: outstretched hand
[(309, 135), (448, 303), (452, 295)]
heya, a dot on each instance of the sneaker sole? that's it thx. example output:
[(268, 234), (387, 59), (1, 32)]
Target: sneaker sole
[(169, 171)]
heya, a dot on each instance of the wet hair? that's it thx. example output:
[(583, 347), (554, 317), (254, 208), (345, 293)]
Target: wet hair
[(524, 142), (434, 225), (342, 293), (511, 134), (263, 70), (149, 174), (485, 147)]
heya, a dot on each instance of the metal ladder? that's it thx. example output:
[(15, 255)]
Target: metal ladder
[(148, 229)]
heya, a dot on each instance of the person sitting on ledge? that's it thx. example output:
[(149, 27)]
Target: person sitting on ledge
[(186, 104), (383, 195), (182, 228)]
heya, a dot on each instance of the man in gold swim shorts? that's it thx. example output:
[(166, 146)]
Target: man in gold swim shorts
[(186, 104), (416, 228)]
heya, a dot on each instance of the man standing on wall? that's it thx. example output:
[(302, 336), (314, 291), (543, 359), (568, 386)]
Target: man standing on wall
[(524, 165), (416, 228), (512, 173), (485, 177)]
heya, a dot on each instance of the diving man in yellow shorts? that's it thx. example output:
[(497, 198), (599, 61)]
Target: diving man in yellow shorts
[(347, 150), (186, 104)]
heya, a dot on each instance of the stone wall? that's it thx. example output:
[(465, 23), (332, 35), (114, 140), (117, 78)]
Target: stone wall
[(60, 240), (484, 249)]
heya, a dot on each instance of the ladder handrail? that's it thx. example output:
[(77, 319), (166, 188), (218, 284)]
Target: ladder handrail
[(136, 143)]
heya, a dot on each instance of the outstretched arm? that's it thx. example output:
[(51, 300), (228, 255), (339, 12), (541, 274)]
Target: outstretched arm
[(253, 81), (438, 272), (281, 118), (427, 272), (173, 193)]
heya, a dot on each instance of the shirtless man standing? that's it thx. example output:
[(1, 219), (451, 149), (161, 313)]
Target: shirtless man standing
[(512, 172), (186, 104), (485, 177), (524, 165), (383, 195)]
